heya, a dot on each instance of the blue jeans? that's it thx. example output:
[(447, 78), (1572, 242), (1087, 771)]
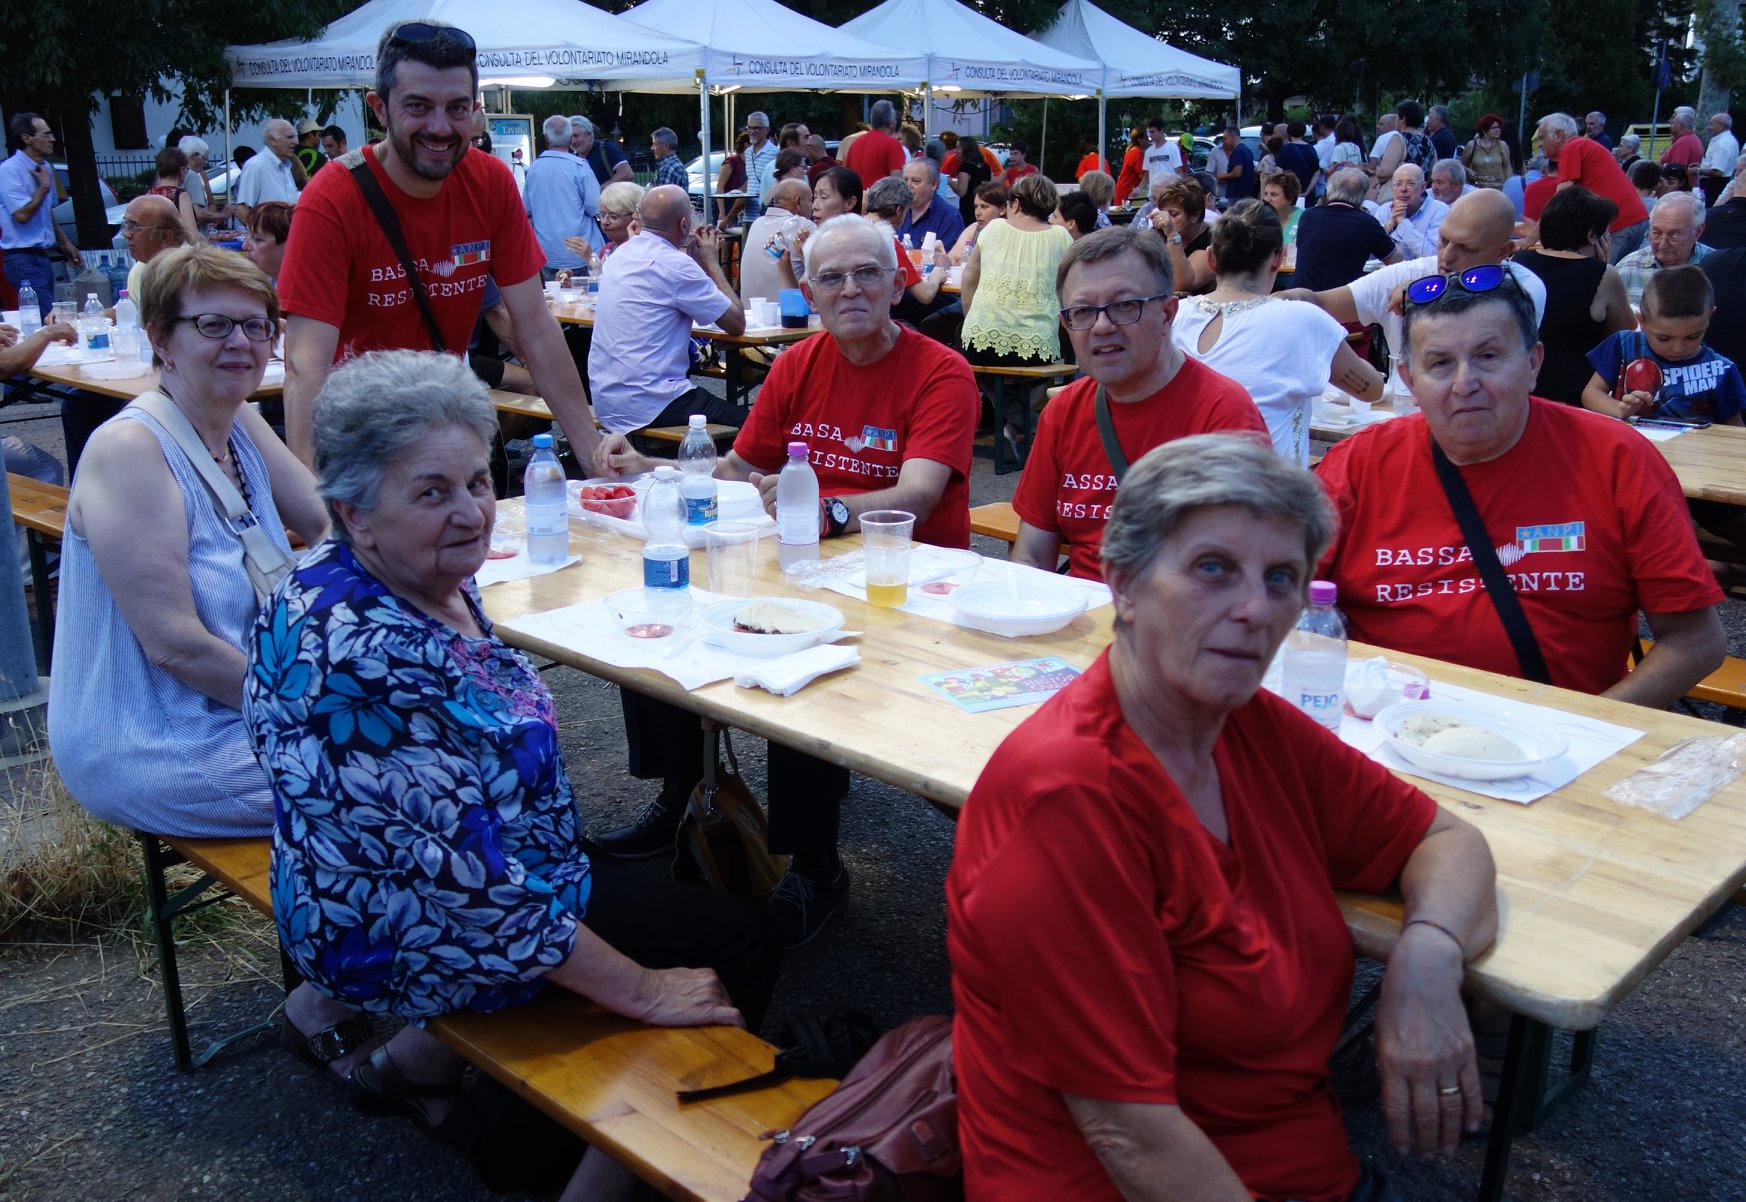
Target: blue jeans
[(35, 270)]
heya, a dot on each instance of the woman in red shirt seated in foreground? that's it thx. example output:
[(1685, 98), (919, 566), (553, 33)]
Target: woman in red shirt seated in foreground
[(1149, 964)]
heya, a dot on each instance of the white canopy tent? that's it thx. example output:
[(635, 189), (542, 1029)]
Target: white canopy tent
[(763, 46), (1135, 64), (986, 58), (533, 43)]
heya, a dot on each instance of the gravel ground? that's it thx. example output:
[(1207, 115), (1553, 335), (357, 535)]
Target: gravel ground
[(93, 1107)]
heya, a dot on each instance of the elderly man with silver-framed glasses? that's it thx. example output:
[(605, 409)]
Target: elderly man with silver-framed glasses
[(889, 417), (1116, 291)]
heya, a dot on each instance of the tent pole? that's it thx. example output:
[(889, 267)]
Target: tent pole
[(229, 158), (1102, 138), (703, 128), (1043, 151), (927, 111)]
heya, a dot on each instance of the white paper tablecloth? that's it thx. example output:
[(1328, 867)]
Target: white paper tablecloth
[(1659, 433), (928, 564), (590, 629), (520, 567), (1591, 741)]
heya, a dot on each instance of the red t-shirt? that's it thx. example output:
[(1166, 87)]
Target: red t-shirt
[(1091, 162), (1133, 174), (875, 155), (1589, 164), (1685, 149), (1013, 175), (1590, 526), (1069, 486), (863, 423), (1105, 944), (1536, 194), (340, 269)]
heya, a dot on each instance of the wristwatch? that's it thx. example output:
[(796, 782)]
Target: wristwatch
[(836, 515), (1176, 239)]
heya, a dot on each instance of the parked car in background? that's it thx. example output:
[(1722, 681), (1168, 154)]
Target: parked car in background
[(63, 212)]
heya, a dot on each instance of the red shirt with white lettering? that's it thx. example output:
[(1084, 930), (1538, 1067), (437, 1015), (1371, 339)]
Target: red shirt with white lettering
[(340, 269), (1069, 486), (1590, 165), (1588, 520), (863, 423), (1105, 944)]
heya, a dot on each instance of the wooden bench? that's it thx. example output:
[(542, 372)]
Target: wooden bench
[(610, 1080), (521, 405), (42, 510), (997, 519), (1726, 687), (1025, 376)]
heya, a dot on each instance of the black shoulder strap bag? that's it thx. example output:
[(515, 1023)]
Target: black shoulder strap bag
[(1106, 431), (390, 223), (1497, 583)]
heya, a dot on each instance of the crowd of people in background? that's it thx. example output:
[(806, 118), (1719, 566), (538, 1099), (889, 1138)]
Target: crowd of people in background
[(1208, 294)]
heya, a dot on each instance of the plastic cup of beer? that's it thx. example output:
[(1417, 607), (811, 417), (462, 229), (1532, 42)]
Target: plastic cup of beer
[(733, 549), (885, 541)]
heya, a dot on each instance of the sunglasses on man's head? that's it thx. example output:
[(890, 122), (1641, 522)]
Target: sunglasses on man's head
[(1487, 277), (413, 33)]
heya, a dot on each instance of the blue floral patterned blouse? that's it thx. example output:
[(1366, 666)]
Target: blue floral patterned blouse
[(426, 852)]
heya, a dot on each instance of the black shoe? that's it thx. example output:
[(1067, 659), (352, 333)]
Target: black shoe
[(801, 906), (651, 833)]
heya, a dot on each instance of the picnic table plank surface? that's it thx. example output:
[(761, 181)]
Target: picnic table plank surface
[(69, 376), (1592, 894)]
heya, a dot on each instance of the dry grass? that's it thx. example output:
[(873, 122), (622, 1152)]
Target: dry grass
[(60, 868)]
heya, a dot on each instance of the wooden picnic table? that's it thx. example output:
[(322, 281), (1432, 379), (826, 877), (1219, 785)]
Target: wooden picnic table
[(1710, 463), (1592, 895), (69, 376), (733, 344)]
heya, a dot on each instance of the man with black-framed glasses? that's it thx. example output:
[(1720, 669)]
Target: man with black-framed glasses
[(1116, 291), (457, 215), (889, 417)]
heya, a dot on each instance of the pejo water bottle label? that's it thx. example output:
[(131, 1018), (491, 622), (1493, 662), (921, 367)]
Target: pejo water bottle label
[(700, 511), (97, 341), (667, 573)]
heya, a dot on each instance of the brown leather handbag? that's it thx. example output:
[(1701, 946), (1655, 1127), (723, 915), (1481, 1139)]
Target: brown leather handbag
[(888, 1133), (723, 837)]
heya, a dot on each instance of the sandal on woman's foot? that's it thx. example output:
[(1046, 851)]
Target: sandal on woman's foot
[(378, 1087), (322, 1049)]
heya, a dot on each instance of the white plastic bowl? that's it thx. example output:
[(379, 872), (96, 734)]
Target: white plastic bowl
[(993, 606), (1538, 744), (718, 627)]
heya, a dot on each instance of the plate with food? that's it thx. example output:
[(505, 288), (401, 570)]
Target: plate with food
[(770, 625), (1469, 742)]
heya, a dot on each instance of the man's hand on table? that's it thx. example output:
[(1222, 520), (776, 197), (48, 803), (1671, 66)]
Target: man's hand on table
[(616, 457)]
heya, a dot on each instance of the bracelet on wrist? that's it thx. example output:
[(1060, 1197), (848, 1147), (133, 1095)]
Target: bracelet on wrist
[(1437, 926)]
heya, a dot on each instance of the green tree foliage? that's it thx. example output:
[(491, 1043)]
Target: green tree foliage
[(64, 55)]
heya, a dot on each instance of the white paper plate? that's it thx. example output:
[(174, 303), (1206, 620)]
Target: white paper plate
[(1538, 743), (112, 370), (718, 627), (994, 606)]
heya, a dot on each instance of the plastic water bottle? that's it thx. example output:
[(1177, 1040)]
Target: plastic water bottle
[(666, 558), (697, 462), (93, 325), (927, 254), (29, 312), (546, 502), (126, 312), (796, 509), (1314, 667)]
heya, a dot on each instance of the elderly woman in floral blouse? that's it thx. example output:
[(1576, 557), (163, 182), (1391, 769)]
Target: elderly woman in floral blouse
[(427, 857)]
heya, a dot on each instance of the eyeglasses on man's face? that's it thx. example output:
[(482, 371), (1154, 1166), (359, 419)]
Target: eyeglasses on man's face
[(1120, 313), (866, 278)]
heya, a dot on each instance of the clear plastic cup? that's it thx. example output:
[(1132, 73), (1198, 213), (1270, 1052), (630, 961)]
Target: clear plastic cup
[(733, 550), (885, 542)]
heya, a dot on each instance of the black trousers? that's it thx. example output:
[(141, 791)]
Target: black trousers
[(805, 792), (699, 400), (81, 413), (663, 924)]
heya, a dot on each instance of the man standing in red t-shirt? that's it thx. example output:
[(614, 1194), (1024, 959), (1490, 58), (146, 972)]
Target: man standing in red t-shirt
[(1117, 301), (1018, 164), (343, 285), (888, 417), (876, 153), (1686, 148), (1582, 161)]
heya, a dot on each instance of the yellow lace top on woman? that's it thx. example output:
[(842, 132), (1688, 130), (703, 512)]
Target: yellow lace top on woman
[(1014, 310)]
